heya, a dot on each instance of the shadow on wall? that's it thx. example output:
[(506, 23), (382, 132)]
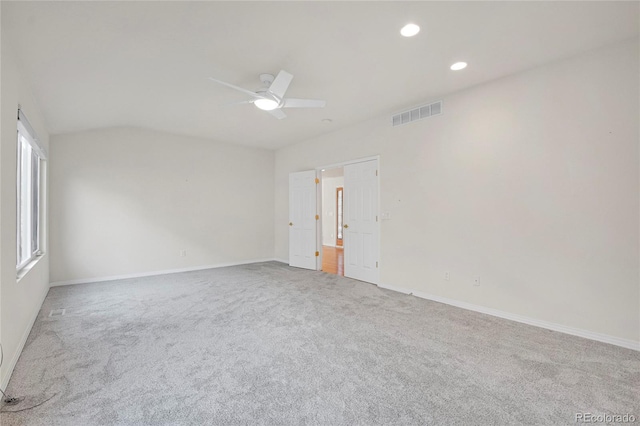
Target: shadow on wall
[(130, 201)]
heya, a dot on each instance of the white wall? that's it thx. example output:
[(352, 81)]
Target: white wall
[(128, 201), (530, 182), (19, 301), (329, 218)]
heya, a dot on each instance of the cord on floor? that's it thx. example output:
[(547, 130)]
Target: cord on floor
[(28, 408), (11, 401)]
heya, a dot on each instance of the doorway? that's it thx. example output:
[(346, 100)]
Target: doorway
[(314, 234), (332, 219)]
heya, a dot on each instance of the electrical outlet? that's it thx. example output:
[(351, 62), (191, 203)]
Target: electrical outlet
[(446, 276), (183, 253), (476, 281)]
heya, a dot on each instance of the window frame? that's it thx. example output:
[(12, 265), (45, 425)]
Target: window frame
[(29, 211)]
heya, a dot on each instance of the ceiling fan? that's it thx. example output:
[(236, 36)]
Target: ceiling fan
[(271, 98)]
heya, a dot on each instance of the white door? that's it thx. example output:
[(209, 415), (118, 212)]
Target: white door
[(302, 219), (361, 221)]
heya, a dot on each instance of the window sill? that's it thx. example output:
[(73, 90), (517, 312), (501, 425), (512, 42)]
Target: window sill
[(29, 266)]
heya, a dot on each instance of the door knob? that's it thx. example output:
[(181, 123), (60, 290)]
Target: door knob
[(290, 223), (345, 226)]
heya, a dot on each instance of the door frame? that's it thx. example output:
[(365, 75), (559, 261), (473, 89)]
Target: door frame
[(319, 207)]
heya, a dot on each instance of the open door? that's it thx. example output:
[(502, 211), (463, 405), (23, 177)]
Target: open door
[(360, 222), (302, 220)]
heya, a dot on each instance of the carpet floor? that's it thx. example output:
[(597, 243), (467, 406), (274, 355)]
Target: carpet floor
[(266, 344)]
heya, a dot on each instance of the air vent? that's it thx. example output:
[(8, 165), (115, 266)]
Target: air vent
[(417, 113), (57, 312)]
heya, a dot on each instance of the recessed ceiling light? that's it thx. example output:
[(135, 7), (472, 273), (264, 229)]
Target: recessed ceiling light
[(459, 66), (327, 120), (410, 30), (266, 104)]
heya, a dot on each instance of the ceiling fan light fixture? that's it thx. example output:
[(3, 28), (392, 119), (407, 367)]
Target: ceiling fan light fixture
[(410, 30), (458, 66), (266, 104)]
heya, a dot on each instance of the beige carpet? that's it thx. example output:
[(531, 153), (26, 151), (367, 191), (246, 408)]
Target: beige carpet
[(273, 345)]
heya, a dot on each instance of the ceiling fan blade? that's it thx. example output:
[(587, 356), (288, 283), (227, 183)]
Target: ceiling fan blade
[(245, 91), (277, 113), (303, 103), (281, 84), (249, 101)]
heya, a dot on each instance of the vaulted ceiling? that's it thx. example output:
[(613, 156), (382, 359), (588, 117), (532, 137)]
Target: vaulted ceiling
[(145, 64)]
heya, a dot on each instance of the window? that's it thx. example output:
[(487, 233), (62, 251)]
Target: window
[(30, 167)]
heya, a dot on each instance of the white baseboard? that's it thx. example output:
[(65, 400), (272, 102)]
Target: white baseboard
[(605, 338), (282, 260), (162, 272), (398, 289), (23, 340)]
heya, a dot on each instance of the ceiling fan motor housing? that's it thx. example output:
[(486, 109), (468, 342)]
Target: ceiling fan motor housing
[(266, 94)]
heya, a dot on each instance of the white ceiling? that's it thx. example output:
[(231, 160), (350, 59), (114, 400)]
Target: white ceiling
[(145, 64)]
